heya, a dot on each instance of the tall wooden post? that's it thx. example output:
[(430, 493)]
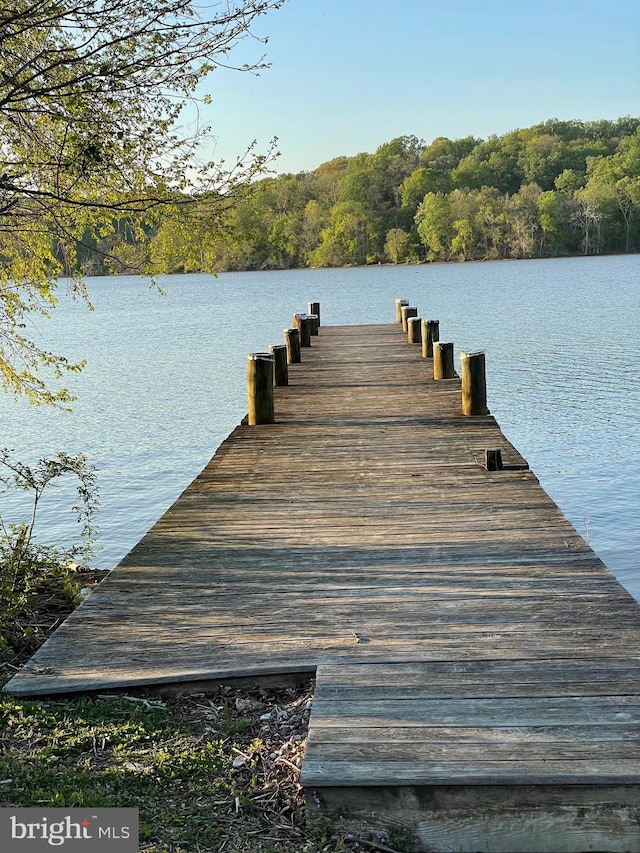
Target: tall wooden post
[(280, 369), (314, 308), (406, 311), (260, 388), (474, 383), (430, 334), (443, 367), (292, 342), (414, 325), (313, 324), (399, 304)]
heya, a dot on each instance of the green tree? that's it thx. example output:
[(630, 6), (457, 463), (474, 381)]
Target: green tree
[(627, 195), (618, 177), (420, 182), (400, 247), (554, 210), (569, 181), (435, 221), (284, 242), (392, 163), (493, 163), (464, 240), (491, 223), (91, 94), (443, 155), (327, 181), (314, 219), (346, 239), (588, 214), (540, 159), (467, 237), (183, 243), (523, 217)]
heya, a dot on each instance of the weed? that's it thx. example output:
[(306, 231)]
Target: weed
[(38, 583)]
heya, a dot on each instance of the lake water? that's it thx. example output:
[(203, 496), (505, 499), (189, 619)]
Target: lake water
[(165, 381)]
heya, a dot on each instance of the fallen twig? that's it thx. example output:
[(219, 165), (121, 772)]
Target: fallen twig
[(286, 761)]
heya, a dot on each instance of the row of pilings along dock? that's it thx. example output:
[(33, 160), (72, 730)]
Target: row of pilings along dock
[(477, 666)]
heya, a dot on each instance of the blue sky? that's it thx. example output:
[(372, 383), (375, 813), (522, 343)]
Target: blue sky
[(349, 75)]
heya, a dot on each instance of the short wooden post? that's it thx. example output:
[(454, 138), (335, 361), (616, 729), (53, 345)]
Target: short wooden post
[(430, 334), (260, 388), (414, 324), (443, 367), (474, 383), (292, 342), (305, 330), (302, 322), (493, 460), (280, 371), (399, 304), (406, 312), (314, 308), (313, 324)]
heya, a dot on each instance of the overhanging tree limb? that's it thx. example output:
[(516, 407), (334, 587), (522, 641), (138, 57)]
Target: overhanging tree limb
[(91, 95)]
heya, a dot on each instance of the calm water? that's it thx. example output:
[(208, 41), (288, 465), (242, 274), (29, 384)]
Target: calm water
[(166, 380)]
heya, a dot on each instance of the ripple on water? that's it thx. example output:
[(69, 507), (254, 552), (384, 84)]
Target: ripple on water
[(165, 380)]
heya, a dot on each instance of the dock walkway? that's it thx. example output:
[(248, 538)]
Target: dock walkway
[(477, 665)]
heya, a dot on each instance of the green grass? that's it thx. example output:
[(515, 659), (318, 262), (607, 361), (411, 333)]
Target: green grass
[(202, 773)]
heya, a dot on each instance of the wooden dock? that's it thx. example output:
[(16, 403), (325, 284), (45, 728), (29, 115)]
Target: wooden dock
[(477, 665)]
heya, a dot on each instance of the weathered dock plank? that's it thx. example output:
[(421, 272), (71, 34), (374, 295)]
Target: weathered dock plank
[(495, 755)]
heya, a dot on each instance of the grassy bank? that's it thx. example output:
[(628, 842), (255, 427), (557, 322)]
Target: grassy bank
[(207, 772)]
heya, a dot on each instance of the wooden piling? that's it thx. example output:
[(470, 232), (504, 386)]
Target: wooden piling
[(399, 304), (314, 308), (406, 312), (414, 325), (430, 334), (280, 369), (314, 324), (305, 330), (260, 370), (302, 322), (443, 366), (292, 342), (474, 384)]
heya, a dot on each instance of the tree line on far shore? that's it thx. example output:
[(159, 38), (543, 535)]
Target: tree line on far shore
[(557, 188)]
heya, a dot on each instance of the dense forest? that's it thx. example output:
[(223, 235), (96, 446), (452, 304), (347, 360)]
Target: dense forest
[(558, 188)]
